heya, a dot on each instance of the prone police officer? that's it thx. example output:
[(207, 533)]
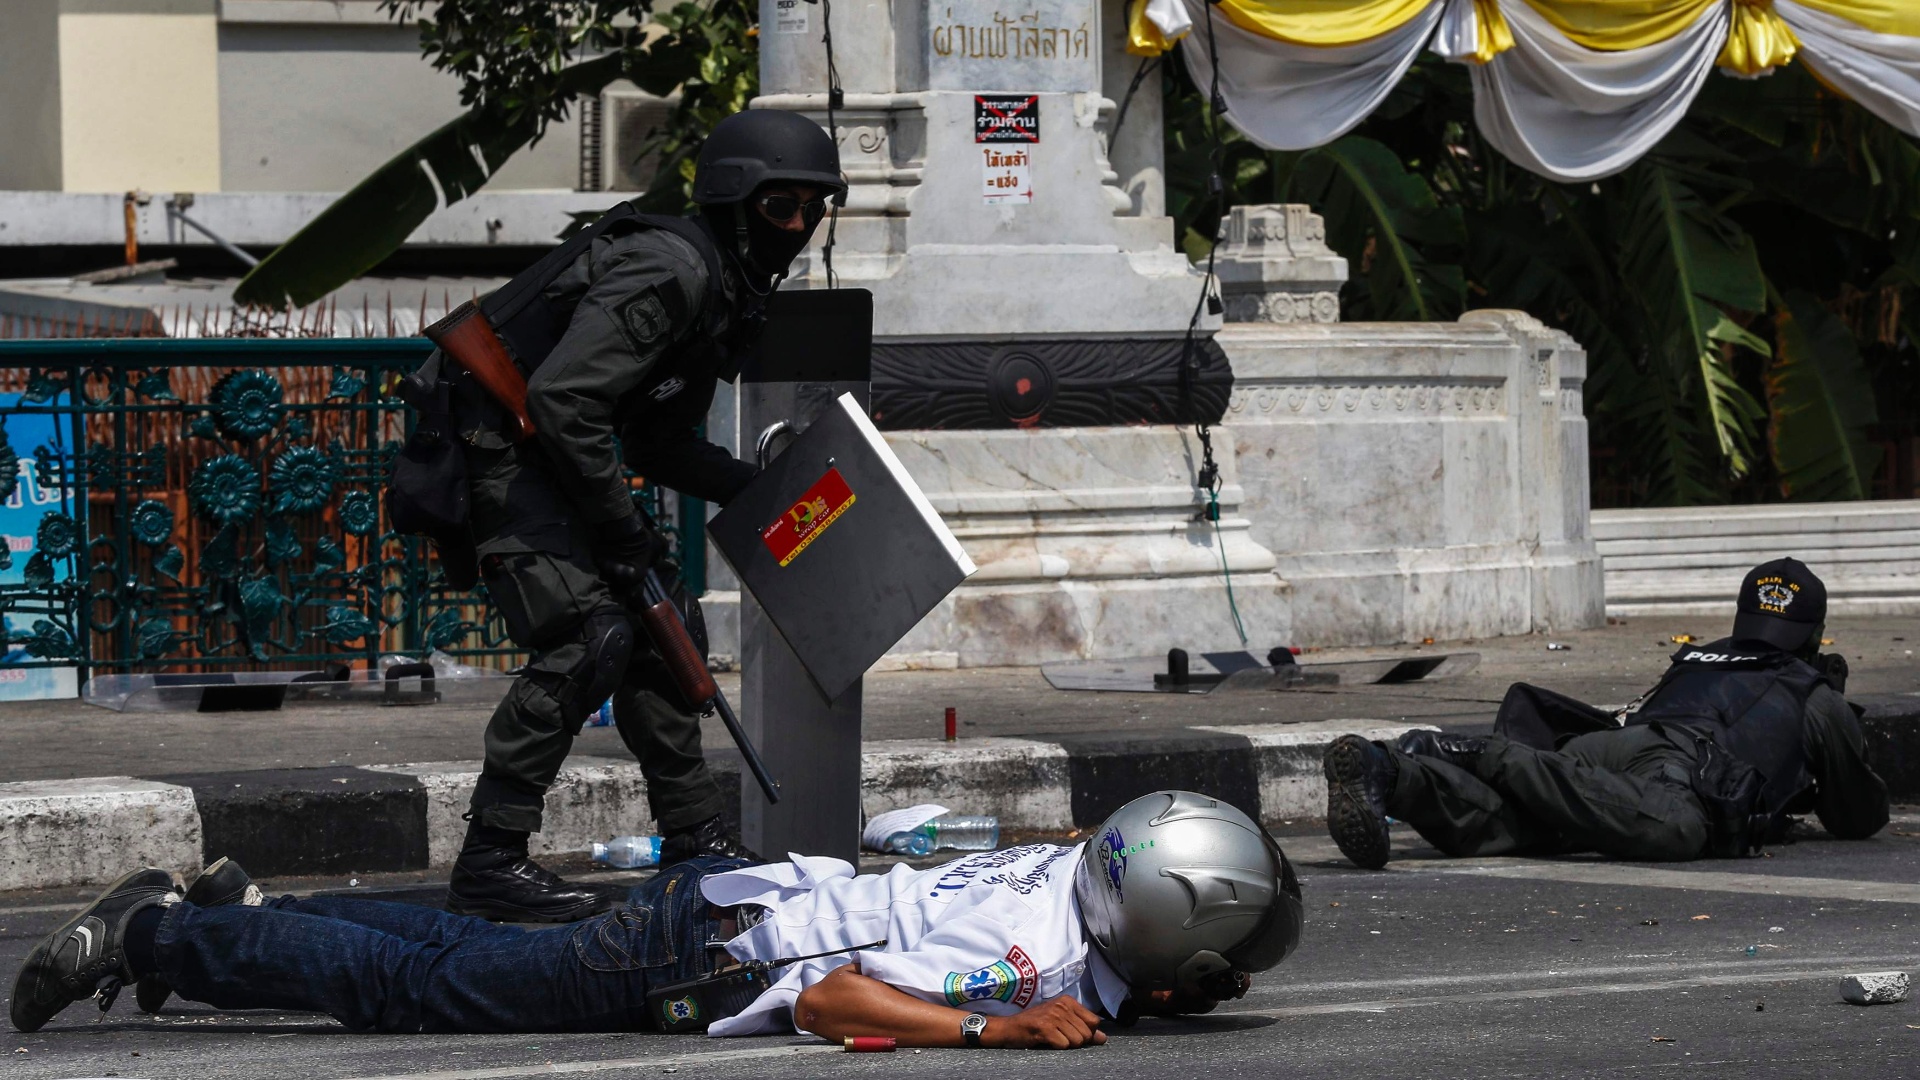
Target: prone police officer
[(621, 336), (1736, 736)]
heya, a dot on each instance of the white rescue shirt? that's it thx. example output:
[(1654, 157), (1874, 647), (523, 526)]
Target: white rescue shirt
[(993, 932)]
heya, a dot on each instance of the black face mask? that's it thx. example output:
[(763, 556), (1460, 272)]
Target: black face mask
[(771, 247)]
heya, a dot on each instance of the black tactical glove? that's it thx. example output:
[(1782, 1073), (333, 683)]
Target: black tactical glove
[(626, 550)]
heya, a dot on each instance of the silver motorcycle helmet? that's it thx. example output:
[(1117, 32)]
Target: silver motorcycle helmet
[(1176, 886)]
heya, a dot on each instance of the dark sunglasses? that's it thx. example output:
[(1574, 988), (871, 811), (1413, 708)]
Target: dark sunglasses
[(783, 207)]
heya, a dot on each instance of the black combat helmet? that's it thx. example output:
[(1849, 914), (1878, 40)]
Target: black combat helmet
[(758, 146)]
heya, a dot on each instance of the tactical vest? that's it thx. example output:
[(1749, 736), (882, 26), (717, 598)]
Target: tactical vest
[(1750, 701), (531, 323), (426, 492)]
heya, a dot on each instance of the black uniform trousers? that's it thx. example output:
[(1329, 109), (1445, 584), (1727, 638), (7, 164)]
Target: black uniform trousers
[(542, 579), (1623, 792)]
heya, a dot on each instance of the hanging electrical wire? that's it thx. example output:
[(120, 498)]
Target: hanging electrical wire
[(836, 100), (1208, 479)]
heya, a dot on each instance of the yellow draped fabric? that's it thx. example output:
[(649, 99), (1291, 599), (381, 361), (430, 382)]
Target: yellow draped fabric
[(1613, 25), (1321, 22), (1758, 41), (1901, 17), (1495, 37), (1143, 37)]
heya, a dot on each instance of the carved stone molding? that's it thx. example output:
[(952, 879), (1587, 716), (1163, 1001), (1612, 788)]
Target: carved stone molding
[(1275, 266), (1251, 402), (1284, 307)]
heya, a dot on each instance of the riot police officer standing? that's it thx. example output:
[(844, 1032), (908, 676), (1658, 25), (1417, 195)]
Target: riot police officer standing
[(621, 337)]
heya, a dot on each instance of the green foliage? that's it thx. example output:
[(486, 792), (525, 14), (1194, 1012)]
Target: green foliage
[(522, 64), (1823, 404), (1376, 207), (1671, 274)]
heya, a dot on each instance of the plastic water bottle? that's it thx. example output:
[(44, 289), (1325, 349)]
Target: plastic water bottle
[(628, 852), (956, 832), (910, 843), (601, 717), (964, 832)]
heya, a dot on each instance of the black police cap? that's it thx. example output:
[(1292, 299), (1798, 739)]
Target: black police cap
[(1781, 603)]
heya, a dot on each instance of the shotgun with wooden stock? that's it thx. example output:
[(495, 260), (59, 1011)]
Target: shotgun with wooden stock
[(469, 340)]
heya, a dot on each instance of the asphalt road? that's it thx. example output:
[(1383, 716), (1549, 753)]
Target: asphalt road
[(1432, 968), (49, 740)]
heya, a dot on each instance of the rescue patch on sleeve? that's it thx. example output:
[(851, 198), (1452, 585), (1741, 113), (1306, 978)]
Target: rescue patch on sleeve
[(1011, 980)]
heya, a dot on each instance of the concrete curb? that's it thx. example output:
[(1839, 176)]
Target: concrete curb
[(408, 816)]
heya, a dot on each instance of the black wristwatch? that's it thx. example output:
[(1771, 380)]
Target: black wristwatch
[(972, 1027)]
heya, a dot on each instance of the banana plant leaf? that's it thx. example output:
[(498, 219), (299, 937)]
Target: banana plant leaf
[(370, 222), (1369, 198), (1822, 402), (1678, 259)]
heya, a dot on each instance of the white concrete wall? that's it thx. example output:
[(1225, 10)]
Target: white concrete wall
[(30, 86), (234, 95), (139, 95), (315, 107)]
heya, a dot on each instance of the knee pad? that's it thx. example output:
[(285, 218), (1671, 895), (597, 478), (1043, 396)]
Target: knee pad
[(609, 645)]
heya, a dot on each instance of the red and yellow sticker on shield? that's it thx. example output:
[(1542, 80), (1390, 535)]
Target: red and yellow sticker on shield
[(823, 503)]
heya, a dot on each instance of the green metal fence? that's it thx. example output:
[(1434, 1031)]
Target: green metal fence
[(216, 504)]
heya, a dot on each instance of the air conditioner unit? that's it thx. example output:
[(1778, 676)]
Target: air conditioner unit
[(631, 120)]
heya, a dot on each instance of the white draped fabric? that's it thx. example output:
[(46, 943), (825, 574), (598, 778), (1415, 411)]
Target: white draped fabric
[(1292, 97), (1573, 113), (1551, 104), (1880, 71)]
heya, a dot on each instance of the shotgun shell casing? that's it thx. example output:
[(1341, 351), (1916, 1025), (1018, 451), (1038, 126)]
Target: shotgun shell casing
[(868, 1044)]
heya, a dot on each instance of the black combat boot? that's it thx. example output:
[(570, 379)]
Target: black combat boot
[(710, 837), (87, 955), (1359, 776), (218, 885), (1461, 750), (494, 879)]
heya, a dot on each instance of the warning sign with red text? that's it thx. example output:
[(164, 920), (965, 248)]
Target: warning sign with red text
[(1006, 174), (806, 519)]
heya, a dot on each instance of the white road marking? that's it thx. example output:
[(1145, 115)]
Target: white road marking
[(1645, 877), (1381, 1005), (1706, 969), (552, 1068)]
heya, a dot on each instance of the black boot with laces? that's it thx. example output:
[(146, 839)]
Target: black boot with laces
[(1359, 777)]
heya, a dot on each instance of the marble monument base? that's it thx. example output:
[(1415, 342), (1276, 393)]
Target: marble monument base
[(1091, 543), (1418, 479)]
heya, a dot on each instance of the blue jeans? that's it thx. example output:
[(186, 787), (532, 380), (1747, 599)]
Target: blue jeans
[(378, 966)]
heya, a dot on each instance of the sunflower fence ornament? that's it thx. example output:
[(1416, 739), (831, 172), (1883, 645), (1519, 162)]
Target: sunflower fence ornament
[(246, 528)]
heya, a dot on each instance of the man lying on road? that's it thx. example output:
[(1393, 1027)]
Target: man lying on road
[(1736, 736), (1169, 910)]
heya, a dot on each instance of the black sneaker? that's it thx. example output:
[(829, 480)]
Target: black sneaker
[(507, 886), (1359, 775), (218, 885), (88, 954), (710, 837)]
